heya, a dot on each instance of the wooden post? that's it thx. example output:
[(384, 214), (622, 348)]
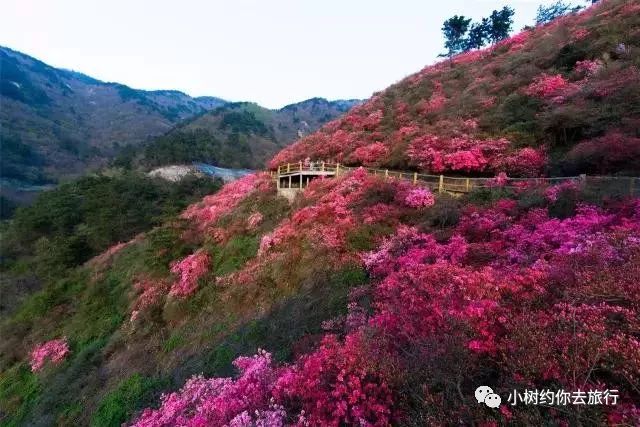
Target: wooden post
[(290, 186), (415, 178), (386, 173), (322, 167), (288, 167), (441, 184), (300, 166), (278, 169), (468, 187), (337, 169), (278, 184)]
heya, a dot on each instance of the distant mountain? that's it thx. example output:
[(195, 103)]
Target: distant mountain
[(57, 122), (238, 135)]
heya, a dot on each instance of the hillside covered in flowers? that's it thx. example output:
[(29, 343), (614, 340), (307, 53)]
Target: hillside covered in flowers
[(370, 301), (559, 99)]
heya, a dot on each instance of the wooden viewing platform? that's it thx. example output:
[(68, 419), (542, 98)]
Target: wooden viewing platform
[(293, 177)]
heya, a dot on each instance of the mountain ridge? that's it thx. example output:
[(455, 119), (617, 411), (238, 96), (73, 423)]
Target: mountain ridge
[(58, 123), (237, 134)]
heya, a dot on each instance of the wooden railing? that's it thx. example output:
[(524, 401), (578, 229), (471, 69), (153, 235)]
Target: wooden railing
[(441, 183), (326, 167)]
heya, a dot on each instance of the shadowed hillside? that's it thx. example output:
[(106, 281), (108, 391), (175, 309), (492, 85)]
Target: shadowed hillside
[(237, 135), (57, 123)]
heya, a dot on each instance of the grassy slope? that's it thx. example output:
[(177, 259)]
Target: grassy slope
[(115, 367)]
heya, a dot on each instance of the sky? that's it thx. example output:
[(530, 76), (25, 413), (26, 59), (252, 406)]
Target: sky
[(273, 52)]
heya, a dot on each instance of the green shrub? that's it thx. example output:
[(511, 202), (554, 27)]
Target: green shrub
[(365, 237), (19, 389), (131, 394), (175, 340), (234, 254), (65, 227)]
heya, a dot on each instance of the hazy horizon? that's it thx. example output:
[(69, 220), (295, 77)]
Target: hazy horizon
[(272, 53)]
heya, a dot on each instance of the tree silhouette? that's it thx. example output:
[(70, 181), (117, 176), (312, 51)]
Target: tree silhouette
[(549, 13), (454, 30), (500, 24), (478, 34)]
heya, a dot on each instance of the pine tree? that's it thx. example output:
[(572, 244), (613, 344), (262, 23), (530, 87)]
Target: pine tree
[(478, 34), (549, 13), (454, 30), (500, 24)]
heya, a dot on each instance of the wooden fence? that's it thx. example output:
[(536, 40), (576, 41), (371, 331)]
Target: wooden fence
[(615, 185)]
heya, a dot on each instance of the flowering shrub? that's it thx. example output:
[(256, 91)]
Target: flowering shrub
[(336, 385), (435, 103), (609, 153), (419, 198), (372, 154), (499, 180), (527, 162), (547, 86), (553, 192), (221, 401), (501, 270), (481, 93), (426, 294), (55, 351), (149, 293), (215, 206), (254, 220), (588, 67), (189, 270), (325, 388), (458, 154)]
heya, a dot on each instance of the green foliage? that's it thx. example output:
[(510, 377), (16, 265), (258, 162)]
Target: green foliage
[(175, 340), (20, 162), (7, 208), (531, 200), (100, 311), (161, 246), (518, 114), (289, 328), (547, 14), (487, 196), (365, 237), (131, 394), (25, 91), (445, 213), (65, 384), (234, 254), (494, 28), (243, 121), (66, 226), (478, 34), (570, 54), (19, 389), (501, 23), (565, 205), (199, 145), (454, 30)]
